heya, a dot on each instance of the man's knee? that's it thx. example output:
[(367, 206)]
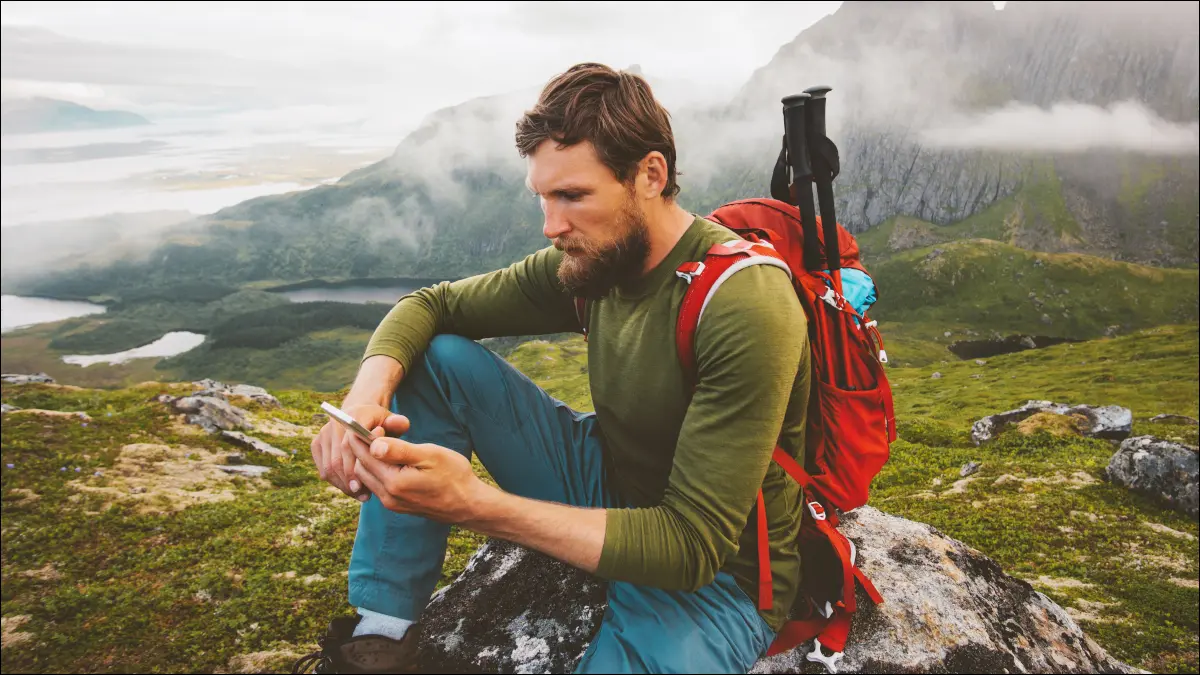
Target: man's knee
[(448, 353)]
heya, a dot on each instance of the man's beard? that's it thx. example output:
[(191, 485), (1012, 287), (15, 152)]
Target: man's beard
[(593, 271)]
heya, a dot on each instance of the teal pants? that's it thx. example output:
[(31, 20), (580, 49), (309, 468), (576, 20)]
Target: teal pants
[(464, 397)]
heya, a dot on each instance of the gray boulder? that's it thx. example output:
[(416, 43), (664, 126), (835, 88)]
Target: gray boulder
[(6, 408), (211, 413), (947, 608), (247, 470), (222, 390), (251, 443), (36, 378), (1110, 421), (1160, 469)]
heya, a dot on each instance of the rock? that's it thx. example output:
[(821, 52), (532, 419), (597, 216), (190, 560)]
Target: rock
[(1158, 468), (947, 608), (968, 469), (980, 362), (6, 408), (936, 376), (212, 413), (51, 413), (947, 334), (235, 458), (250, 443), (222, 390), (1046, 319), (36, 378), (1175, 419), (1110, 421), (244, 469)]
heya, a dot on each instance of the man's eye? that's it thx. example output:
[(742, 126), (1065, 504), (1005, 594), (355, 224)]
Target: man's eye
[(572, 196)]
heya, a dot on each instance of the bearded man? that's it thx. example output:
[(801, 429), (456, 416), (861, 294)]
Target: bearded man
[(653, 491)]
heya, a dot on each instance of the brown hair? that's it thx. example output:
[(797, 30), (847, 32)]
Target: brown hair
[(614, 110)]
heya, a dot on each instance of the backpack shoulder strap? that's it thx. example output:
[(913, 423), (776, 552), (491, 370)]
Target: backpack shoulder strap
[(704, 278)]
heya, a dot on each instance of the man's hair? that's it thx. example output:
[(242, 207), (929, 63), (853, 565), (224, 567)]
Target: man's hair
[(615, 110)]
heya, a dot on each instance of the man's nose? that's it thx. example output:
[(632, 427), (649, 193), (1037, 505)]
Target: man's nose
[(556, 223)]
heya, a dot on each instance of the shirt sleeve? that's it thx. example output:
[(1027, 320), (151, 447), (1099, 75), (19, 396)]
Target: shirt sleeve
[(524, 298), (750, 345)]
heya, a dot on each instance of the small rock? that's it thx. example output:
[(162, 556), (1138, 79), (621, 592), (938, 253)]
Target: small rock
[(222, 390), (137, 490), (976, 376), (251, 443), (968, 469), (6, 408), (235, 458), (1046, 319), (980, 362), (36, 378), (947, 334), (249, 470), (1161, 469), (936, 376), (1175, 419)]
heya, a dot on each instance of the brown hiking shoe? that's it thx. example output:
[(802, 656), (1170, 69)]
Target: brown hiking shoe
[(342, 653)]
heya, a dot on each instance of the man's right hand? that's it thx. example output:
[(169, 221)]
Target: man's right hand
[(335, 458)]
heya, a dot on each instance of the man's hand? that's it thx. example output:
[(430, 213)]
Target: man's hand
[(333, 455), (428, 480), (418, 478)]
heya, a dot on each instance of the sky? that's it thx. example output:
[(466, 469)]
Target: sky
[(407, 57)]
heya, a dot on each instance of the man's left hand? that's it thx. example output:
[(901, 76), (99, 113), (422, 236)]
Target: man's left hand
[(418, 478)]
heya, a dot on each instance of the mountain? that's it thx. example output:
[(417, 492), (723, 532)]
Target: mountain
[(1070, 125), (27, 116)]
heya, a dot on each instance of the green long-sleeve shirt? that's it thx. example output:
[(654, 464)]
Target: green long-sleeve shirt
[(690, 472)]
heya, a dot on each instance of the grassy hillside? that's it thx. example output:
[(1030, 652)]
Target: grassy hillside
[(202, 573), (985, 285)]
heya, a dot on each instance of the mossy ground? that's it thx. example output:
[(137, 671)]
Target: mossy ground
[(250, 582)]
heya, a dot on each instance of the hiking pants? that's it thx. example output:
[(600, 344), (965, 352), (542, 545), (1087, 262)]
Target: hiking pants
[(464, 397)]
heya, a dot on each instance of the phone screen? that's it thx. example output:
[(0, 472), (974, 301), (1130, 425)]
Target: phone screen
[(347, 421)]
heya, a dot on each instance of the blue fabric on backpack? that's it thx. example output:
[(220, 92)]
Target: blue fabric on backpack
[(858, 289)]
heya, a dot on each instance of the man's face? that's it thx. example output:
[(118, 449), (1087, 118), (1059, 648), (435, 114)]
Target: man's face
[(591, 217)]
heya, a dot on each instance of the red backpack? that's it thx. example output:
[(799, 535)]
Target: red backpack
[(850, 422)]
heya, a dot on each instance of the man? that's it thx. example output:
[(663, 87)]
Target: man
[(654, 491)]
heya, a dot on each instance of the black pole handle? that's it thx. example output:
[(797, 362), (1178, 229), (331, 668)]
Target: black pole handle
[(798, 160), (822, 173)]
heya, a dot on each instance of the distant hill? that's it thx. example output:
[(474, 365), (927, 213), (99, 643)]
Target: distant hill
[(27, 116)]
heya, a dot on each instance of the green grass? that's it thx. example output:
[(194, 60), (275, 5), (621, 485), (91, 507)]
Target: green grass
[(197, 589), (989, 286)]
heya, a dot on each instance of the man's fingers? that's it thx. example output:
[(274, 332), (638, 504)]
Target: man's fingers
[(396, 424)]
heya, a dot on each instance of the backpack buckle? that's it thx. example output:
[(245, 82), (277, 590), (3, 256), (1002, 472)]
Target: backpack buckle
[(830, 662), (817, 511), (689, 271)]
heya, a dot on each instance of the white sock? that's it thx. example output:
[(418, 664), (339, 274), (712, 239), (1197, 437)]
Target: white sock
[(374, 623)]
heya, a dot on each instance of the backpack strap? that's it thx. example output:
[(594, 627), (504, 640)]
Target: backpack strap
[(704, 278)]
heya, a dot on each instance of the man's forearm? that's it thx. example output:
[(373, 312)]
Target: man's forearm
[(377, 378), (571, 534)]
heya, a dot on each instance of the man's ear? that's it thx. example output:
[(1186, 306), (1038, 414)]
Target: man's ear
[(652, 175)]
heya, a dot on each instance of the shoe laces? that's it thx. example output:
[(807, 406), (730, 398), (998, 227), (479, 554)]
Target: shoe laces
[(319, 658)]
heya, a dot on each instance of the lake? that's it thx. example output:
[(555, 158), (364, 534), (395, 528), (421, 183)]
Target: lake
[(173, 343), (20, 312)]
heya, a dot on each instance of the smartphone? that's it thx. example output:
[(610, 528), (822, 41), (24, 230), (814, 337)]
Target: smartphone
[(347, 421)]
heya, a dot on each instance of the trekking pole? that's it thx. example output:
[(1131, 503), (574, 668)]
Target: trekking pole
[(796, 145), (814, 112), (818, 147)]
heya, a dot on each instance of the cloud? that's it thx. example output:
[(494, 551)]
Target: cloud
[(1068, 127)]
